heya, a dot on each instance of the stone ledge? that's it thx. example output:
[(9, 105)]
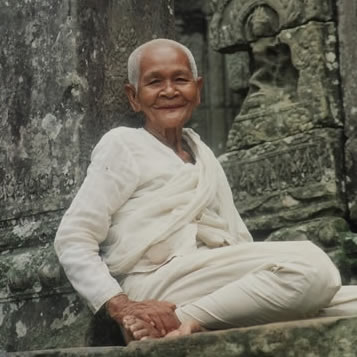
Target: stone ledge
[(332, 337)]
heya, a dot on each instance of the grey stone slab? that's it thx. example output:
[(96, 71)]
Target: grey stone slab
[(326, 231), (333, 337)]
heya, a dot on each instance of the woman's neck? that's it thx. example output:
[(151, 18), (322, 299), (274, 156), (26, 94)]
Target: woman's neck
[(170, 137), (173, 139)]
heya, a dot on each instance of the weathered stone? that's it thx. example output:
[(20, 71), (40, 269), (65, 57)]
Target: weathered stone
[(347, 27), (238, 70), (276, 184), (237, 22), (328, 232), (52, 321), (62, 71), (351, 170), (293, 87), (43, 96), (333, 235), (333, 337), (62, 67), (349, 245), (283, 170)]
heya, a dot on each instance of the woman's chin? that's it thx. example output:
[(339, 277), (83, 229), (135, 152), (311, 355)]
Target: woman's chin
[(172, 122)]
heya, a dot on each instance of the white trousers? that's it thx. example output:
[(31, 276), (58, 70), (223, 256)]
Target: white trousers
[(248, 284)]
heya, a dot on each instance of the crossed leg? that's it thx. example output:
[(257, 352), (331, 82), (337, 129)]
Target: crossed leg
[(248, 284)]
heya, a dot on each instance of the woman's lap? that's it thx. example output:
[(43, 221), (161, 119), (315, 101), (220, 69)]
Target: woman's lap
[(187, 279)]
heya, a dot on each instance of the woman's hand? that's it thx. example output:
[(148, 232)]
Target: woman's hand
[(160, 314)]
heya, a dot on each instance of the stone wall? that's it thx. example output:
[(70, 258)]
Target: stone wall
[(62, 70), (279, 77), (292, 173)]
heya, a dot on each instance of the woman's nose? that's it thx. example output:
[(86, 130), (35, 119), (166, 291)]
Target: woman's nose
[(169, 89)]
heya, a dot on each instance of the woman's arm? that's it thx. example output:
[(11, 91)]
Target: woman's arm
[(111, 179)]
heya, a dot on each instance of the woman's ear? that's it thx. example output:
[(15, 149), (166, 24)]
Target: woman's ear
[(133, 100)]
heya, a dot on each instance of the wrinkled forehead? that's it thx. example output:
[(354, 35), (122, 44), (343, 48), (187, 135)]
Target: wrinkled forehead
[(158, 56)]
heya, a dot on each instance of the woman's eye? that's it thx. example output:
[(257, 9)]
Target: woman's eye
[(181, 79), (154, 81)]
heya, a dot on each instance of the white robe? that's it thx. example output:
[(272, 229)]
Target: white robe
[(169, 230), (139, 207)]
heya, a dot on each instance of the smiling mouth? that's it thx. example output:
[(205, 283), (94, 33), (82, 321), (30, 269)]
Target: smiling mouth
[(166, 107)]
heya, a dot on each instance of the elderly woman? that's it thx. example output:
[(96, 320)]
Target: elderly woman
[(154, 236)]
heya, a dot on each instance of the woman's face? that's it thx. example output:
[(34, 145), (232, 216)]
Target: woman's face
[(167, 92)]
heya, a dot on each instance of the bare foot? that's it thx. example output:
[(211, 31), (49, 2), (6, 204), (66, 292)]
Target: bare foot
[(138, 329), (186, 328)]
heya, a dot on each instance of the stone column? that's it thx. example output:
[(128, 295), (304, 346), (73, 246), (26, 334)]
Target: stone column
[(62, 70), (347, 28)]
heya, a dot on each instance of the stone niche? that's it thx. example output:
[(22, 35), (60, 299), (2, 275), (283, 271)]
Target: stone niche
[(62, 70), (286, 153)]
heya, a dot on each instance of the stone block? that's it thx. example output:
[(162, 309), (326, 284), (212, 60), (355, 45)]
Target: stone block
[(42, 100), (287, 181), (63, 67), (333, 235), (327, 232), (235, 23)]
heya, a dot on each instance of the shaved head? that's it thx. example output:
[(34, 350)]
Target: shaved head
[(134, 60)]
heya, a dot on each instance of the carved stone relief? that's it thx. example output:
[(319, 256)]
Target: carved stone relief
[(283, 182), (293, 86), (286, 156), (238, 70), (236, 22)]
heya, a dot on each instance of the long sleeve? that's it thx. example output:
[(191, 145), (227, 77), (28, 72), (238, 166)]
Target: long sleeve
[(111, 179)]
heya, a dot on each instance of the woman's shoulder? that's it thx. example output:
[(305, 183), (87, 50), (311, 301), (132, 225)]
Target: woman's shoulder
[(124, 132), (122, 136), (117, 140)]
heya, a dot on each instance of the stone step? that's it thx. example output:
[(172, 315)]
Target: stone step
[(330, 337)]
